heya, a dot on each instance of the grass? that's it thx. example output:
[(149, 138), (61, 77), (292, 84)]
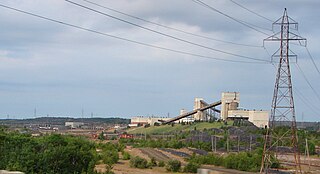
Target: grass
[(177, 127)]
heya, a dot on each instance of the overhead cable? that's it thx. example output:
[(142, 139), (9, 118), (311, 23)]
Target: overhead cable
[(164, 34), (171, 28), (306, 79), (307, 102), (228, 16), (124, 39), (313, 62), (304, 99), (242, 6)]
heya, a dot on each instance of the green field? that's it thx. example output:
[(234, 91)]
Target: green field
[(176, 128)]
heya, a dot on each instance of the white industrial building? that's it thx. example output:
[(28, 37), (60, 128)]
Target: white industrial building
[(229, 110), (73, 125), (141, 120)]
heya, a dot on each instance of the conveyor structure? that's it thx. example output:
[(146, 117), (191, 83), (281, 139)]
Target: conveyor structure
[(208, 106)]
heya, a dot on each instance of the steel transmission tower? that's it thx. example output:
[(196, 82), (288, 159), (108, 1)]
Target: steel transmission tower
[(282, 110)]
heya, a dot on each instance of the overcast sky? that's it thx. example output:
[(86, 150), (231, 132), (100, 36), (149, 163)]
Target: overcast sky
[(60, 70)]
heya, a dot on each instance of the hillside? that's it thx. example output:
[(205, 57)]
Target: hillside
[(177, 127)]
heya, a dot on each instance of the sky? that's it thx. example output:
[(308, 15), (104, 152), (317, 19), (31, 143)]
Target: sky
[(62, 70)]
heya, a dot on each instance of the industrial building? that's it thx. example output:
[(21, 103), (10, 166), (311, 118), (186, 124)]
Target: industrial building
[(73, 125), (230, 110), (203, 112), (141, 120)]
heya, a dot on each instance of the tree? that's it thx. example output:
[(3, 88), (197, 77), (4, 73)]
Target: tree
[(138, 162), (101, 136), (173, 166), (191, 167)]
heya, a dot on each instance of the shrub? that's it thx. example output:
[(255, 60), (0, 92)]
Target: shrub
[(153, 162), (126, 155), (138, 162), (147, 125), (191, 167), (173, 166), (161, 164), (244, 161)]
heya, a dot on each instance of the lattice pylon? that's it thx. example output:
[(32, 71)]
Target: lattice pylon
[(282, 103)]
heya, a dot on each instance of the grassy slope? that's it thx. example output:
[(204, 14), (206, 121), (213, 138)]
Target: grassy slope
[(176, 127)]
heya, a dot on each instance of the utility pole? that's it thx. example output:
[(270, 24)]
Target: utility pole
[(307, 153), (212, 143), (282, 103), (145, 135), (35, 112), (238, 143), (250, 143), (82, 113), (302, 120), (215, 144), (228, 142)]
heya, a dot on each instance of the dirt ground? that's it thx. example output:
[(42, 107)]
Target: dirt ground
[(123, 166), (314, 162)]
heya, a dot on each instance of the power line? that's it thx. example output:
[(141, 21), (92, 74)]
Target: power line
[(124, 39), (242, 6), (252, 26), (228, 16), (306, 102), (171, 28), (313, 62), (164, 34), (306, 79), (304, 99), (310, 56)]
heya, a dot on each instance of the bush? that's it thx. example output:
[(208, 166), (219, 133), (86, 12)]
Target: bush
[(156, 124), (173, 166), (191, 167), (161, 164), (153, 162), (244, 161), (138, 162), (147, 125), (125, 155)]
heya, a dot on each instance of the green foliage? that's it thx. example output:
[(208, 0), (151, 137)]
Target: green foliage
[(153, 162), (138, 162), (49, 154), (161, 164), (173, 166), (244, 161), (208, 159), (109, 154), (177, 128), (191, 167), (147, 125), (311, 148), (125, 155), (101, 136)]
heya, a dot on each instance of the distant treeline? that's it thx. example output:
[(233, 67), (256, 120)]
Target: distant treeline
[(62, 120)]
